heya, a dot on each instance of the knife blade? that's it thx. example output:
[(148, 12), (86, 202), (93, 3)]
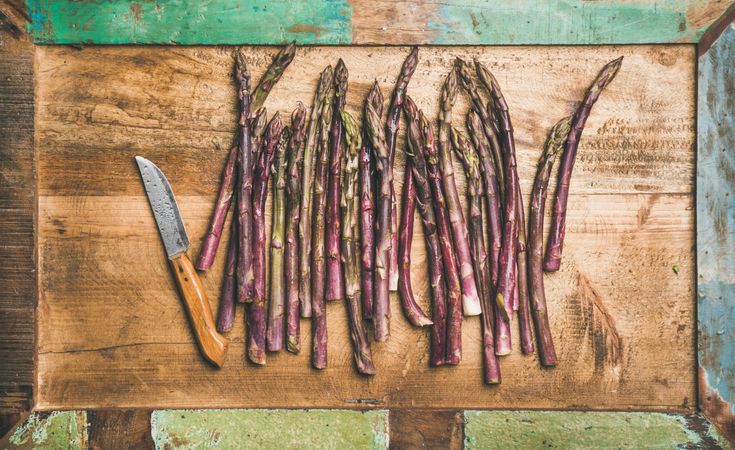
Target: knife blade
[(212, 345)]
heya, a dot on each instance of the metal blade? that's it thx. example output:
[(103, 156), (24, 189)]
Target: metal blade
[(165, 210)]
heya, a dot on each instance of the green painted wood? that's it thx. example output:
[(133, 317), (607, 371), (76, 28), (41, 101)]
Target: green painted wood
[(187, 22), (716, 230), (564, 22), (56, 430), (587, 430), (487, 22), (266, 429)]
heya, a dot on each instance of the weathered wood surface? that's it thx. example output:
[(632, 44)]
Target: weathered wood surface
[(115, 428), (426, 429), (715, 231), (111, 328), (445, 22), (17, 212)]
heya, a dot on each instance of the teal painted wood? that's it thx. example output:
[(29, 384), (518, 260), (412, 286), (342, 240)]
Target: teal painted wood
[(457, 22), (270, 428), (716, 228), (564, 22), (187, 22)]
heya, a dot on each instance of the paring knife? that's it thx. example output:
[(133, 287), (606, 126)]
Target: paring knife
[(173, 234)]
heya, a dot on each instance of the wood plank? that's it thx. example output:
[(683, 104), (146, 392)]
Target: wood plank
[(107, 293), (445, 22), (426, 429), (17, 216), (119, 429), (715, 228)]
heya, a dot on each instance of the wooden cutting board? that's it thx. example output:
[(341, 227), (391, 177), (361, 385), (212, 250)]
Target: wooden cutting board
[(111, 329)]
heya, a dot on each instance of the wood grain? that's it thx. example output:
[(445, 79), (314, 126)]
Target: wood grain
[(112, 331), (212, 345), (17, 218), (426, 429), (111, 429)]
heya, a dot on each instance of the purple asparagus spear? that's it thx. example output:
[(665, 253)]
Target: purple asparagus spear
[(470, 298), (425, 206), (471, 165), (276, 304), (350, 203), (307, 189), (293, 192), (257, 311), (552, 260), (318, 261), (335, 279), (226, 313), (554, 146), (391, 133), (375, 132)]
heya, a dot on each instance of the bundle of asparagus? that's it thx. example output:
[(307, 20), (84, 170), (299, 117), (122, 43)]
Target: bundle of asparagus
[(335, 234)]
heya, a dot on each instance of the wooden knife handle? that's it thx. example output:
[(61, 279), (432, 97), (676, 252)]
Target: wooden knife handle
[(212, 345)]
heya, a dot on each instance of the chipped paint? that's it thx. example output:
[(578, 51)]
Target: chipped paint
[(576, 430), (65, 429), (716, 230), (183, 22), (448, 22), (256, 428)]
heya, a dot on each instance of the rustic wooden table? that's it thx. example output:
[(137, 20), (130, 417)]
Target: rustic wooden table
[(642, 308)]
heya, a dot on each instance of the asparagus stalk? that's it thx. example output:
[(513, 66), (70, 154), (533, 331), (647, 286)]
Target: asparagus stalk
[(495, 233), (226, 313), (350, 204), (293, 190), (454, 290), (411, 309), (554, 146), (257, 129), (221, 208), (552, 259), (310, 150), (257, 313), (244, 198), (376, 135), (278, 230), (521, 297), (318, 261), (272, 75), (471, 165), (470, 298), (425, 205), (367, 211), (489, 124), (367, 251), (391, 133), (335, 281), (509, 248)]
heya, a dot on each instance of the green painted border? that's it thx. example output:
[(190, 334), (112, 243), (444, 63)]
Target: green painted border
[(190, 22), (446, 22)]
